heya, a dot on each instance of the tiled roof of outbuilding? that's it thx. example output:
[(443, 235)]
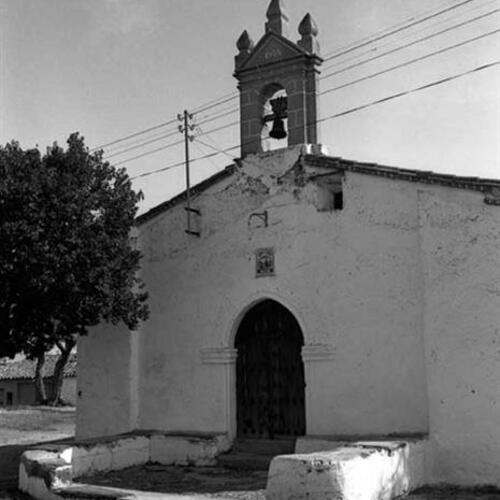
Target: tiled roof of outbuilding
[(25, 368)]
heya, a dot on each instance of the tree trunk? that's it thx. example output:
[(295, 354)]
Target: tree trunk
[(58, 377), (41, 395)]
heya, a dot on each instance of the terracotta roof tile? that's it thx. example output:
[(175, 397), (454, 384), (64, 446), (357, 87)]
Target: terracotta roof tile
[(25, 368)]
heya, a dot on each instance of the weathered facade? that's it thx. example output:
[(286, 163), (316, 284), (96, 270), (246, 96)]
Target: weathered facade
[(388, 279)]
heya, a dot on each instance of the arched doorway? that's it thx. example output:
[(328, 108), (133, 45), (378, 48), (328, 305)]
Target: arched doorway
[(269, 373)]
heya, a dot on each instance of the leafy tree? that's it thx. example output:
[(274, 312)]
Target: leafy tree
[(66, 259)]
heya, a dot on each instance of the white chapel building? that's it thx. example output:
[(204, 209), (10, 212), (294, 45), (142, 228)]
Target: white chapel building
[(310, 295)]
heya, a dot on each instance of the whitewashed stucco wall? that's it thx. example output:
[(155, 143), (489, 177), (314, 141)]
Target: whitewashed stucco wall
[(397, 295), (461, 257), (106, 388), (351, 277)]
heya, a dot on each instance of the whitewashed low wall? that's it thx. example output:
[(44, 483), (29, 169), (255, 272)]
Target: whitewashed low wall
[(362, 471), (47, 471), (110, 455)]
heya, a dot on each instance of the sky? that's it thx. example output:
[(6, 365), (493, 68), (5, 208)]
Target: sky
[(111, 68)]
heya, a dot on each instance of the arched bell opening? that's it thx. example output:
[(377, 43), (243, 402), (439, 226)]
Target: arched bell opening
[(274, 133), (270, 384)]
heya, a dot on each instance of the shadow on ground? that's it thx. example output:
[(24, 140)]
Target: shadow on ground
[(193, 480), (10, 455), (220, 483)]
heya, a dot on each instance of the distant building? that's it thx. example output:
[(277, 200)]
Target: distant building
[(17, 385)]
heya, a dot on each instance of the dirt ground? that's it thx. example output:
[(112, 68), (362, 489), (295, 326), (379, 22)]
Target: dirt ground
[(222, 484), (211, 482), (35, 424)]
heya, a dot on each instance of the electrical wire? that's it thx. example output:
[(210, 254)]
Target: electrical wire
[(216, 117), (415, 42), (342, 113), (211, 104), (147, 153), (141, 141), (411, 61), (168, 167), (235, 96), (142, 144), (135, 134), (167, 146), (199, 109), (411, 91), (164, 136), (376, 48), (327, 91), (376, 38)]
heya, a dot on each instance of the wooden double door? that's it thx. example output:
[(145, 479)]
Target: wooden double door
[(269, 374)]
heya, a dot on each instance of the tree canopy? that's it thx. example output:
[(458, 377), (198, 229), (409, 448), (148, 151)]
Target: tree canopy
[(66, 259)]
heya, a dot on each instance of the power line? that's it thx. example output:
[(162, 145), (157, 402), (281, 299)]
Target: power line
[(168, 167), (353, 82), (411, 91), (427, 37), (347, 49), (165, 136), (195, 144), (147, 153), (232, 124), (415, 42), (142, 144), (235, 96), (231, 95), (167, 146), (140, 132), (342, 113), (397, 30), (370, 50), (411, 61), (220, 115), (141, 141), (399, 66)]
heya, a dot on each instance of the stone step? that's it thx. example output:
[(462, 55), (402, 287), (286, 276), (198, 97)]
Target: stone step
[(265, 446), (363, 470), (244, 461), (255, 454)]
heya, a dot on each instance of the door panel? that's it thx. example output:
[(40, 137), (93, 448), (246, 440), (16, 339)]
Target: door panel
[(269, 373)]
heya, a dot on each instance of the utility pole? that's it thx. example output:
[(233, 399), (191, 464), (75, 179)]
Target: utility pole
[(185, 129)]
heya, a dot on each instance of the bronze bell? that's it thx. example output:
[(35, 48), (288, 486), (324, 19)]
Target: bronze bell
[(278, 131)]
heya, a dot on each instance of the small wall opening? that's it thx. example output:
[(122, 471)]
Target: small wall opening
[(274, 117), (329, 194)]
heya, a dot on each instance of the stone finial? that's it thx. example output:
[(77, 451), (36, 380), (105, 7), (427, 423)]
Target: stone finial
[(308, 29), (308, 26), (277, 19), (245, 43)]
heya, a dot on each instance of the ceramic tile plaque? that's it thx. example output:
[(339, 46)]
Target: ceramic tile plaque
[(264, 262)]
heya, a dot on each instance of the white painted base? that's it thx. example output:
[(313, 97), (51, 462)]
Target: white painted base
[(360, 471), (46, 470)]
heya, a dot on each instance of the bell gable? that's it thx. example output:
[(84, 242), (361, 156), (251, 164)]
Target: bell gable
[(271, 48)]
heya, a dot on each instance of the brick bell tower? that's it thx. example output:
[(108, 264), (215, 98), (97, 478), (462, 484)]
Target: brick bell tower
[(278, 84)]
